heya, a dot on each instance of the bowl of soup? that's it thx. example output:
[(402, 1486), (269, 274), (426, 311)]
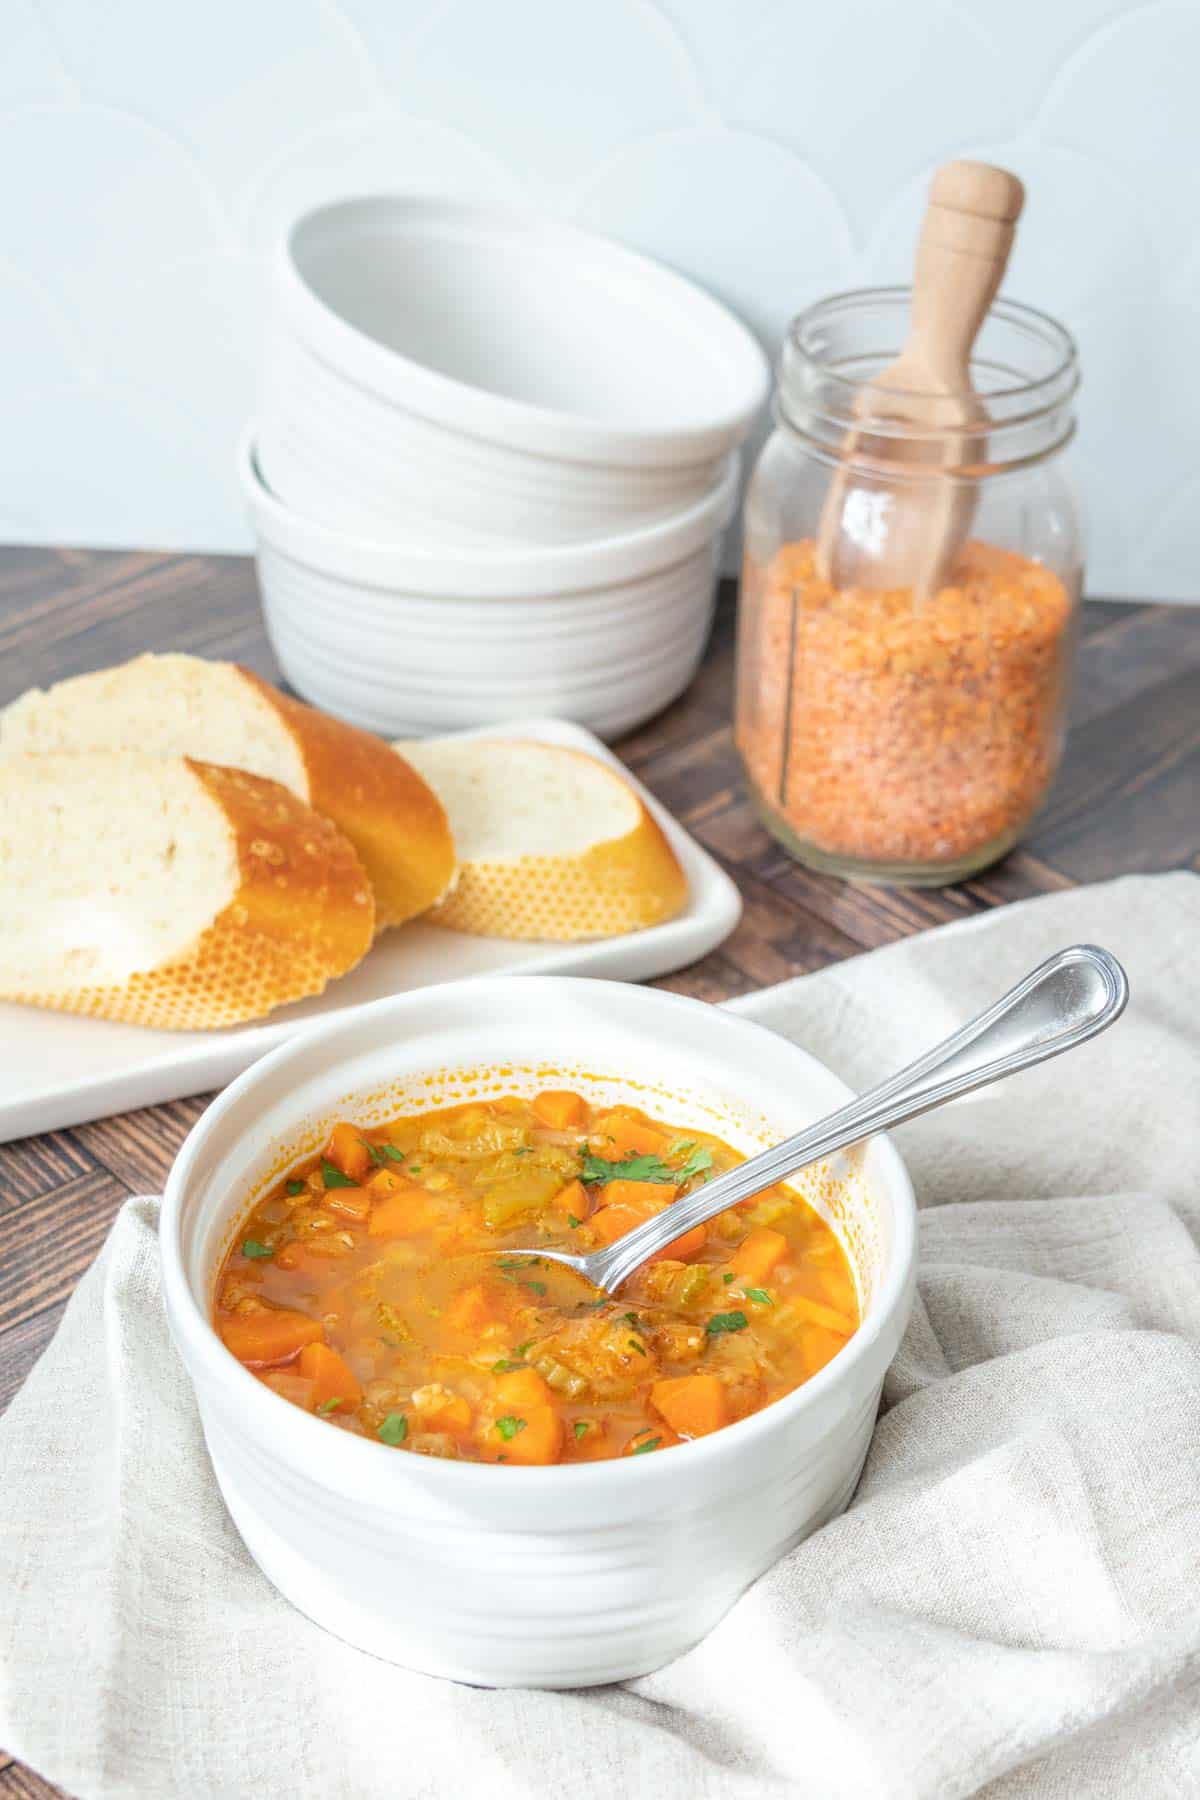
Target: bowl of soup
[(446, 1448)]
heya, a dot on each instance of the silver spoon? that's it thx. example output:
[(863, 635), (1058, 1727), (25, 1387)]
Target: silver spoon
[(1068, 999)]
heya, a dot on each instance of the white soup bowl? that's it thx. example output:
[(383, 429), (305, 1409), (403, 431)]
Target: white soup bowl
[(503, 376), (544, 1577), (408, 640)]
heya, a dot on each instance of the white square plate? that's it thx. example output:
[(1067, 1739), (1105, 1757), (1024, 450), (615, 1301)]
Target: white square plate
[(61, 1070)]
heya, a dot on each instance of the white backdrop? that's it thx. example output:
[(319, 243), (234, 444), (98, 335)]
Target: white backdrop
[(774, 149)]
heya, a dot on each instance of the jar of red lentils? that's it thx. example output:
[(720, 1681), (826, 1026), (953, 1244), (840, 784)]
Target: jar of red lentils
[(892, 735)]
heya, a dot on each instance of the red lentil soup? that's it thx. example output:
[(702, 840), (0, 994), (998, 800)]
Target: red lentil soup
[(361, 1286)]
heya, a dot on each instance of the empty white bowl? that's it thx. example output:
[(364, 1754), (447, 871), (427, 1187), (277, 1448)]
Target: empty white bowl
[(553, 1577), (436, 364), (410, 639)]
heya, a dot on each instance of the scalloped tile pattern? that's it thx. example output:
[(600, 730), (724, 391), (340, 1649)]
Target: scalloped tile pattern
[(149, 156)]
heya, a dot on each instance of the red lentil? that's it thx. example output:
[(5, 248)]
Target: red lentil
[(888, 729)]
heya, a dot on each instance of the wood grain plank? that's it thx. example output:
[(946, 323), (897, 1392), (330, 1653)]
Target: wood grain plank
[(138, 1148), (1131, 657), (204, 605), (47, 1243), (1126, 796), (34, 1166), (19, 1783), (22, 1345)]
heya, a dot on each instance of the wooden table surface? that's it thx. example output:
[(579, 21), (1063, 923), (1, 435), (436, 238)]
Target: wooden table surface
[(1125, 800)]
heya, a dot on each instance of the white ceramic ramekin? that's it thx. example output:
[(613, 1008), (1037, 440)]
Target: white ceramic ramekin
[(406, 640), (511, 378), (555, 1577)]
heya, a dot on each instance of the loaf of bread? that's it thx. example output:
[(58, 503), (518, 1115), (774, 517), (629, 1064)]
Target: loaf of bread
[(552, 844), (167, 892), (221, 713)]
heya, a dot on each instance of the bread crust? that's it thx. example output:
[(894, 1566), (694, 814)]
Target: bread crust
[(624, 884), (303, 913), (393, 818)]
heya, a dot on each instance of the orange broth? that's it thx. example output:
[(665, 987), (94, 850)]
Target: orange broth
[(359, 1289)]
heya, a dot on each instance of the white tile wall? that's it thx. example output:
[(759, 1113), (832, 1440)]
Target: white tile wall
[(775, 149)]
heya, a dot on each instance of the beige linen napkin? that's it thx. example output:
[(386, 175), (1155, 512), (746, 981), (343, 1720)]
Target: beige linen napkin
[(1012, 1603)]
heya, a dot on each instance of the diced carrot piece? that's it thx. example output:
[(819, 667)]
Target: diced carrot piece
[(757, 1254), (271, 1336), (692, 1405), (654, 1194), (347, 1151), (560, 1109), (608, 1223), (468, 1310), (452, 1414), (824, 1316), (386, 1181), (332, 1377), (620, 1134), (680, 1248), (353, 1203), (403, 1213), (572, 1200), (522, 1387), (530, 1437)]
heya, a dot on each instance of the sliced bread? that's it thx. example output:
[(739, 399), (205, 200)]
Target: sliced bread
[(221, 713), (170, 893), (552, 844)]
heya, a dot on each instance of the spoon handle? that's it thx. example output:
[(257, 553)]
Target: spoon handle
[(1065, 1001)]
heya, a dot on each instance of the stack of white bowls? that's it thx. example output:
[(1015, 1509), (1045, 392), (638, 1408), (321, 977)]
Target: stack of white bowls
[(492, 467)]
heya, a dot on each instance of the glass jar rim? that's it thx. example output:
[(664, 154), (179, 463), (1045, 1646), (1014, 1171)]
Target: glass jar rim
[(836, 351), (1016, 313)]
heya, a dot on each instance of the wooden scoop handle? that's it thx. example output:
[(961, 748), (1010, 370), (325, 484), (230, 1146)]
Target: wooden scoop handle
[(962, 253)]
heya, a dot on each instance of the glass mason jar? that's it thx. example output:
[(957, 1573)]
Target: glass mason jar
[(890, 735)]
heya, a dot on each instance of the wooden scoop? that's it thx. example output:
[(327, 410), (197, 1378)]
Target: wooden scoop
[(879, 533)]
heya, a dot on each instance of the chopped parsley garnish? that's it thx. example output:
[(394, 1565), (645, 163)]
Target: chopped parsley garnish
[(333, 1177), (727, 1277), (634, 1168), (522, 1348), (580, 1427), (631, 1318), (535, 1287), (644, 1168), (730, 1321), (761, 1295), (328, 1406), (253, 1248), (573, 1222), (646, 1444), (295, 1187), (394, 1429), (509, 1426), (414, 1168)]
